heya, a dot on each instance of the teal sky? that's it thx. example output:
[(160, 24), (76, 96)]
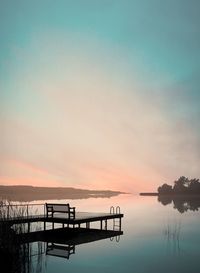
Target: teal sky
[(99, 93)]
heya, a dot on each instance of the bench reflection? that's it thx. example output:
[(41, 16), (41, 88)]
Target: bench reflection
[(60, 250)]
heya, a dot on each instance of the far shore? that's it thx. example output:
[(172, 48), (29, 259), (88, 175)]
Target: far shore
[(31, 193), (149, 193), (169, 194)]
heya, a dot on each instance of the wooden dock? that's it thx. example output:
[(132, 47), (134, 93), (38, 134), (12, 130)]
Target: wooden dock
[(84, 218), (80, 219), (60, 231)]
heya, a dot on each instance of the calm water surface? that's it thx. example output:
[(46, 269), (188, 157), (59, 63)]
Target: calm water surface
[(156, 238)]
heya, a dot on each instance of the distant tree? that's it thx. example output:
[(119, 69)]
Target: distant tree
[(194, 186), (181, 185), (185, 194), (165, 189)]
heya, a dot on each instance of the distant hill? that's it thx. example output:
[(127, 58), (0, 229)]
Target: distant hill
[(30, 193)]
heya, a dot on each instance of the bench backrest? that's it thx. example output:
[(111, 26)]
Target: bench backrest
[(58, 207)]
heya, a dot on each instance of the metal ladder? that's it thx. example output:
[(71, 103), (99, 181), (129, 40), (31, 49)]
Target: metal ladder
[(116, 221)]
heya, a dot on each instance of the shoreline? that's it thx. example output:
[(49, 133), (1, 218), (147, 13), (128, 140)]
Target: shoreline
[(170, 195), (149, 193)]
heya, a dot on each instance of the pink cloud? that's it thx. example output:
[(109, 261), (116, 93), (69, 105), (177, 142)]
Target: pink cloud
[(29, 166), (30, 182)]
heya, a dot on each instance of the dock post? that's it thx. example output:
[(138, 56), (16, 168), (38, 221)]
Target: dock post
[(101, 224), (44, 225), (106, 224), (29, 224), (8, 214)]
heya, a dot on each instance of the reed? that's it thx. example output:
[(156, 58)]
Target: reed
[(172, 233), (15, 257)]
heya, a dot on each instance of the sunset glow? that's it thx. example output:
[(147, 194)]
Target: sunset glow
[(101, 96)]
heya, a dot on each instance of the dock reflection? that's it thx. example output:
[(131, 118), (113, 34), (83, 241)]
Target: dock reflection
[(61, 242)]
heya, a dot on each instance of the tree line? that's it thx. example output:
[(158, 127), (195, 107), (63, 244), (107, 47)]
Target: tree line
[(183, 185)]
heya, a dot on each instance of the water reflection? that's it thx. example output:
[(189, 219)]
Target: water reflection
[(181, 203), (63, 244), (156, 239), (172, 233), (19, 250), (17, 258)]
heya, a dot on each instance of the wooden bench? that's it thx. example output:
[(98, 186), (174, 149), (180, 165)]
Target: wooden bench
[(60, 208)]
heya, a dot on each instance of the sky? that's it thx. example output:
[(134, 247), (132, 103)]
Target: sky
[(99, 94)]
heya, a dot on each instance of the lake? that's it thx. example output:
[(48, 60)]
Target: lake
[(156, 238)]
